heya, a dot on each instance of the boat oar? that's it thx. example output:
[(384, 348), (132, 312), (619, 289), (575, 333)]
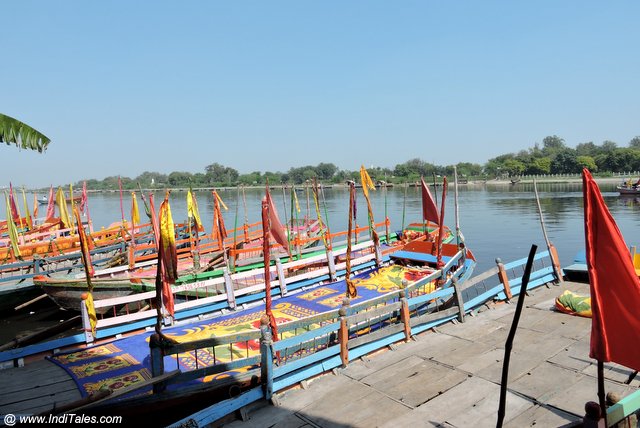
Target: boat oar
[(25, 304), (512, 333)]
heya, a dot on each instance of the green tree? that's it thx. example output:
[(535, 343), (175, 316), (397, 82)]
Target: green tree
[(539, 166), (635, 143), (587, 162), (12, 131), (565, 162), (552, 145), (514, 167)]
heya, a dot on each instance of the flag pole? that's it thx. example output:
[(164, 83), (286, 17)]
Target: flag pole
[(552, 250), (455, 199), (601, 392)]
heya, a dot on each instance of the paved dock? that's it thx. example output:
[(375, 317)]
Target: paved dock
[(450, 377)]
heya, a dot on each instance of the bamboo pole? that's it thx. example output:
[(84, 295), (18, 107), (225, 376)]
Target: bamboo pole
[(512, 333), (552, 250)]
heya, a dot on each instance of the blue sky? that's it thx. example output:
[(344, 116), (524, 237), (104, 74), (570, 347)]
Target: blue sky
[(126, 87)]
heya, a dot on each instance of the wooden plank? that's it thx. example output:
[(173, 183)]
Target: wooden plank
[(383, 311), (426, 318), (376, 335)]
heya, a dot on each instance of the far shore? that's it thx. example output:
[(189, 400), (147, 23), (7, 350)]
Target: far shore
[(462, 182)]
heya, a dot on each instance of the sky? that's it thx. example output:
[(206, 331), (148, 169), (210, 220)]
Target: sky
[(125, 87)]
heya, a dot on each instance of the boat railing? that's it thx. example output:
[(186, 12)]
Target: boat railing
[(27, 269), (224, 292), (352, 332)]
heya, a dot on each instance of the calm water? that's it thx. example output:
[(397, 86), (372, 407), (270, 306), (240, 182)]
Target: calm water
[(500, 221)]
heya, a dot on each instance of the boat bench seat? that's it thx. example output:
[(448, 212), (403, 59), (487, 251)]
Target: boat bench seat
[(418, 257)]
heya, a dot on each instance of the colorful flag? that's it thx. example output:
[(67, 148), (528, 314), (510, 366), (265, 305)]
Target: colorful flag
[(88, 269), (429, 208), (27, 216), (367, 182), (12, 229), (352, 291), (135, 214), (266, 239), (167, 256), (62, 208), (276, 228), (51, 208), (15, 213), (83, 199), (192, 209), (35, 205), (84, 244), (615, 288), (219, 230), (154, 222)]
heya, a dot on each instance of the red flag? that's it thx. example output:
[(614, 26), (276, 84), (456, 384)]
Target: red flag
[(51, 206), (429, 208), (615, 288), (14, 208), (276, 227)]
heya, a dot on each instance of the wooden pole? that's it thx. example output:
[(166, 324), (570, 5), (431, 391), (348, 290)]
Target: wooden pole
[(601, 392), (512, 332), (552, 250)]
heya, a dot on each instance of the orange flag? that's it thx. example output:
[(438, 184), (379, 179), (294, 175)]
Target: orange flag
[(429, 208), (219, 230), (615, 288)]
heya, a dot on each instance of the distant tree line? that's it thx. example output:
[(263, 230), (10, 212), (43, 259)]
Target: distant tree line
[(554, 157)]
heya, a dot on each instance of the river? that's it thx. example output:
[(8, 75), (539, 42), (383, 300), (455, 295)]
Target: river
[(497, 221)]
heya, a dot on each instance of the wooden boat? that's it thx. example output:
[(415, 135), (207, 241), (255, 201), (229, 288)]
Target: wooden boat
[(68, 294), (308, 343), (628, 190)]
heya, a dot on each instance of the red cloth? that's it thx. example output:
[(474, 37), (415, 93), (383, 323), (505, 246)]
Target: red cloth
[(429, 208), (440, 263), (615, 288), (276, 227), (267, 263)]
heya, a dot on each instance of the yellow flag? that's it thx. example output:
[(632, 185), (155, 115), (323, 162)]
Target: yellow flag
[(192, 208), (13, 230), (367, 183), (221, 201), (135, 214), (91, 311), (26, 210), (62, 207), (295, 198)]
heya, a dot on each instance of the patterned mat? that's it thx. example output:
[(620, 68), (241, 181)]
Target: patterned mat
[(126, 361)]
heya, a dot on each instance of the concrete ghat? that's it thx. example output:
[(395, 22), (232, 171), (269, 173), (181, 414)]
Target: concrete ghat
[(451, 377)]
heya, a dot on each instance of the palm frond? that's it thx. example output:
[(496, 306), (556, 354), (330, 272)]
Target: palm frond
[(12, 131)]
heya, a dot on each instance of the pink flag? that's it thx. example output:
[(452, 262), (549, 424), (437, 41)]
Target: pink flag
[(51, 206), (276, 229), (14, 208)]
